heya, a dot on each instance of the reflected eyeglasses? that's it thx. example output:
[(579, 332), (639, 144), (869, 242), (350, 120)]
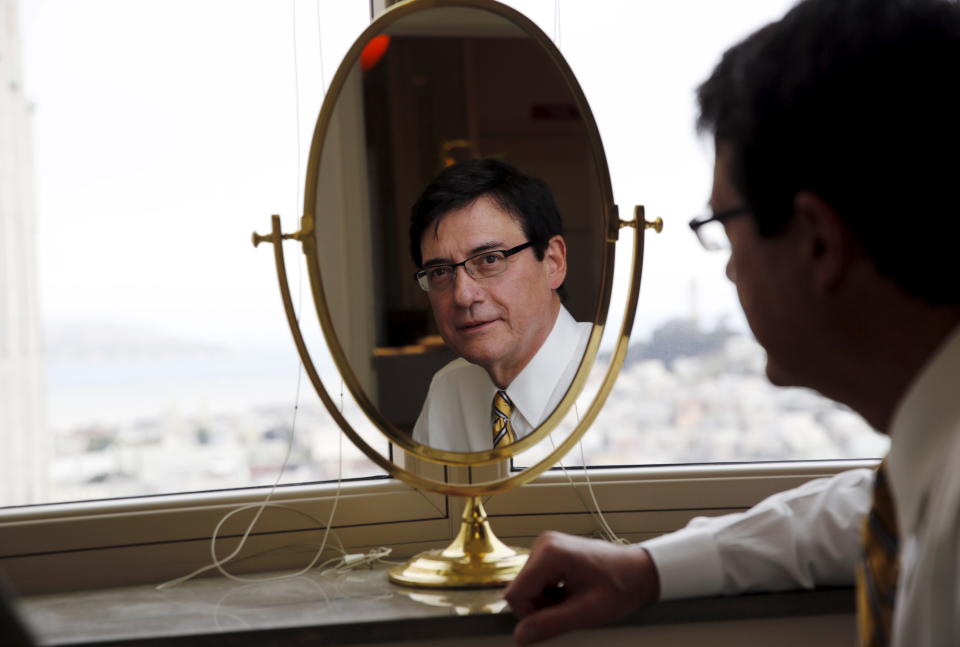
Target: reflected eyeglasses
[(482, 266)]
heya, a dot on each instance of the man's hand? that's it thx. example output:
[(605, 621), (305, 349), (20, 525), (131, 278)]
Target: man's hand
[(571, 583)]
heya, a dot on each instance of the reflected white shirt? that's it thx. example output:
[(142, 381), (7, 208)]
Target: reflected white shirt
[(810, 535), (456, 412)]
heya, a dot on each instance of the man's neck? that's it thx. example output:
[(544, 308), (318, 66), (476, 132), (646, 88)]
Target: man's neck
[(502, 375), (886, 355)]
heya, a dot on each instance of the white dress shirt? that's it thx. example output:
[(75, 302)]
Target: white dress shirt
[(800, 538), (924, 469), (456, 412), (811, 535)]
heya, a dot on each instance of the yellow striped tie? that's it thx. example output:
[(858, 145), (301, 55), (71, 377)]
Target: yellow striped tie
[(500, 420), (878, 567)]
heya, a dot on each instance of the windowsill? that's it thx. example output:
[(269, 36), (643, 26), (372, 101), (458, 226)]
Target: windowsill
[(355, 608), (104, 544)]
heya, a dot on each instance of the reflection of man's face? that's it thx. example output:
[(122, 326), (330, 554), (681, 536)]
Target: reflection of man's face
[(500, 322)]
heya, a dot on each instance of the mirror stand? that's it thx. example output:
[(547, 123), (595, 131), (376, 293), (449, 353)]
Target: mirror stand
[(475, 559)]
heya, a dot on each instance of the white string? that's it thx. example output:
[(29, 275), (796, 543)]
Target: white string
[(350, 562), (556, 23), (218, 609), (296, 86), (323, 83), (605, 531), (346, 564), (216, 562)]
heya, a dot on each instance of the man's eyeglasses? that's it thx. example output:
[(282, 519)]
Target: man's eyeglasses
[(709, 228), (482, 266)]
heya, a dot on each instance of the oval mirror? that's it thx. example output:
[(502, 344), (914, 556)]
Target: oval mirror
[(459, 231), (428, 86)]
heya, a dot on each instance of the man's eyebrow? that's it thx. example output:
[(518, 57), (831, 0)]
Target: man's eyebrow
[(479, 249)]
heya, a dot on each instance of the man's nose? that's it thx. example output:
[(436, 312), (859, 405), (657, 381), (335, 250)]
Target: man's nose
[(466, 289)]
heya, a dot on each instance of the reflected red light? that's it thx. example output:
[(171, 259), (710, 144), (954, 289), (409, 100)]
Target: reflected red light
[(374, 51)]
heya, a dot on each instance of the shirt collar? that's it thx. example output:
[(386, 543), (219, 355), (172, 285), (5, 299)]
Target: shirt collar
[(530, 391), (922, 423)]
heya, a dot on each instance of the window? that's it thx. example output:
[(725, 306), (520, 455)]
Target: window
[(162, 134), (157, 153)]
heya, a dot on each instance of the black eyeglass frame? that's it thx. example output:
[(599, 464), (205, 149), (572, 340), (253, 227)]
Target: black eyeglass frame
[(507, 253), (720, 216)]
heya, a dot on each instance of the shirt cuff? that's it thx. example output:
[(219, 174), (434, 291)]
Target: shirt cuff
[(688, 564)]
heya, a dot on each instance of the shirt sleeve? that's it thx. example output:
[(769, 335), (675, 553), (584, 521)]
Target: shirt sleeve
[(800, 538)]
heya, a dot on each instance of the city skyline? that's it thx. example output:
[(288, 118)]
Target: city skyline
[(688, 396)]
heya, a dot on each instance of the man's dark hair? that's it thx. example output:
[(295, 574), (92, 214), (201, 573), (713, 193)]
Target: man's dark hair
[(525, 198), (857, 101)]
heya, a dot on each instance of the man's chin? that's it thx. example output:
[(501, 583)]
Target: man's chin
[(470, 350), (777, 376), (482, 360)]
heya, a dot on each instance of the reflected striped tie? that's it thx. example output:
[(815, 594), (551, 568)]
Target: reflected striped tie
[(878, 567), (500, 420)]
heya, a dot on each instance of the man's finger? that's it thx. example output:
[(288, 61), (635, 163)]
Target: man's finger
[(574, 613), (542, 573)]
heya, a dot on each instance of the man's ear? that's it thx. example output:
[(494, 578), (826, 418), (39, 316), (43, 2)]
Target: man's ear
[(828, 246), (555, 261)]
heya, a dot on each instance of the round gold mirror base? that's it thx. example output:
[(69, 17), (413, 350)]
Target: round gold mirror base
[(475, 559), (433, 569)]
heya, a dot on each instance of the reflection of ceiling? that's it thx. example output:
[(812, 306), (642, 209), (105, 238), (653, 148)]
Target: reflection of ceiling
[(454, 21)]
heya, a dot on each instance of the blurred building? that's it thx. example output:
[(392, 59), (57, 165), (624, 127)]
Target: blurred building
[(23, 438)]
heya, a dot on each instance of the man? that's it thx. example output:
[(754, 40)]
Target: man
[(836, 168), (489, 244)]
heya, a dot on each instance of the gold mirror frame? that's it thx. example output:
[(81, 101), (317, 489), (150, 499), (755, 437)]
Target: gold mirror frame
[(488, 562), (612, 225)]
